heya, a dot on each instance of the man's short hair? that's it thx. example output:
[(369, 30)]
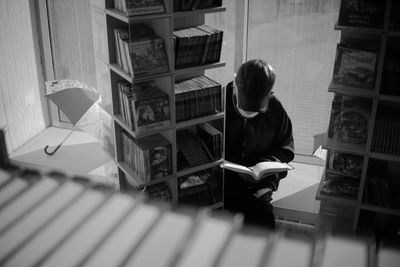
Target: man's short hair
[(254, 81)]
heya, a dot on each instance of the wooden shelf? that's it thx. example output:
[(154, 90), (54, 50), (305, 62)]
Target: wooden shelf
[(130, 78), (185, 124), (118, 119), (345, 147), (199, 68), (394, 33), (359, 29), (379, 209), (390, 98), (215, 206), (384, 156), (122, 17), (199, 168), (350, 90), (338, 200), (197, 12)]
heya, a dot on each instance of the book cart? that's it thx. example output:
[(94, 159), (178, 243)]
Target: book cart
[(360, 188), (166, 103)]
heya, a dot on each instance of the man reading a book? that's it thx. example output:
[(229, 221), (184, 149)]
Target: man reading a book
[(257, 129)]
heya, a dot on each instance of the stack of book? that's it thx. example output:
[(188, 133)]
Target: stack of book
[(143, 7), (191, 149), (377, 192), (149, 157), (143, 106), (199, 189), (187, 5), (386, 136), (196, 97), (197, 46), (139, 51), (212, 139)]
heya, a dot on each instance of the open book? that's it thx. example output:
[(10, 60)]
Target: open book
[(258, 170)]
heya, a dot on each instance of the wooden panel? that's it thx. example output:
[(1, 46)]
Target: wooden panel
[(21, 108)]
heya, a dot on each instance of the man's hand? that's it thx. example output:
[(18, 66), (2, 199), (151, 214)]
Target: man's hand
[(264, 195), (247, 178)]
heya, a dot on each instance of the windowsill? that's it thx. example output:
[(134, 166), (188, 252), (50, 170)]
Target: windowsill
[(295, 198), (80, 154)]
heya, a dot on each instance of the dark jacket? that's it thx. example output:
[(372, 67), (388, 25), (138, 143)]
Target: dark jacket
[(268, 136)]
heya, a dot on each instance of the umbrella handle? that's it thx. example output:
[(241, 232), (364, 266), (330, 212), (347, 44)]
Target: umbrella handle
[(53, 152)]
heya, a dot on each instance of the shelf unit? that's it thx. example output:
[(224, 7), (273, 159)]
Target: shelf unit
[(106, 18), (358, 212)]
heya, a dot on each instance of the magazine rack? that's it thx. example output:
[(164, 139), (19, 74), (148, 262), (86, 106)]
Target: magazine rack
[(360, 186)]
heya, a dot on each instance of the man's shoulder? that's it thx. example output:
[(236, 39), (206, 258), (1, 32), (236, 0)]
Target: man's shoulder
[(275, 103)]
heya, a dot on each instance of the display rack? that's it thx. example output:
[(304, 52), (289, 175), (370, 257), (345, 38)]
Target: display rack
[(360, 187), (114, 72)]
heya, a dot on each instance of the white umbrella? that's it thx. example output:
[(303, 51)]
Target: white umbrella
[(74, 98)]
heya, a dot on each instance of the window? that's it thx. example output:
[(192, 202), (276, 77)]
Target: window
[(298, 39), (67, 45)]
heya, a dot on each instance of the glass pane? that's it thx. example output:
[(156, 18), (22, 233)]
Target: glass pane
[(298, 39), (71, 41)]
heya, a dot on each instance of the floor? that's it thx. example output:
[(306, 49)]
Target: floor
[(294, 202), (80, 154)]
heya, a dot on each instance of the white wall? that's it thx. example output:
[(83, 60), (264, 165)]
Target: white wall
[(21, 82)]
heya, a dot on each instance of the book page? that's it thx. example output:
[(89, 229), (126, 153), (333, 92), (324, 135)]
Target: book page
[(237, 168), (271, 167)]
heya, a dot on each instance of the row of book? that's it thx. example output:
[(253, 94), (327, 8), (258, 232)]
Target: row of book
[(149, 157), (143, 106), (191, 150), (196, 97), (196, 46), (142, 7), (187, 5), (391, 78), (386, 136), (377, 192), (212, 138), (200, 188), (139, 51)]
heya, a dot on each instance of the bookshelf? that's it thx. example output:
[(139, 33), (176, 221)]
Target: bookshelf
[(187, 92), (360, 186)]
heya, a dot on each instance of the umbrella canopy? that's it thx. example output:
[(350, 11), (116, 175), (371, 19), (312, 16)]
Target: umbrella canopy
[(74, 98)]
